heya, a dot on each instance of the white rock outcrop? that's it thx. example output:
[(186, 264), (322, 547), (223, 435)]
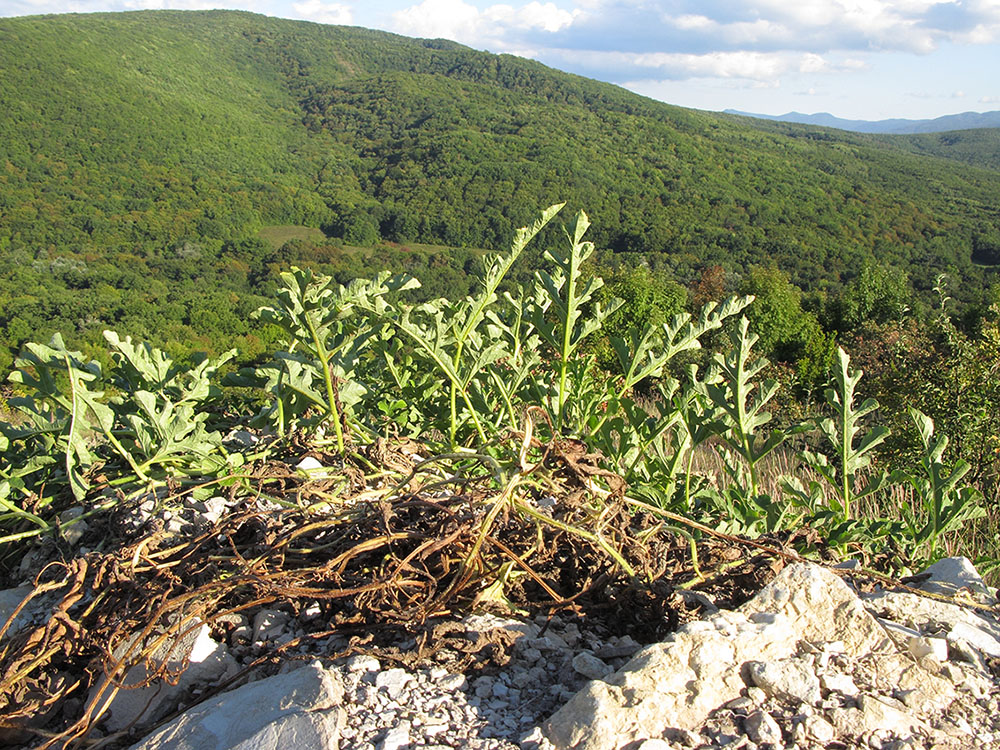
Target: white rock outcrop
[(802, 641)]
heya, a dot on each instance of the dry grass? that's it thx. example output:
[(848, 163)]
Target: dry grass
[(978, 540)]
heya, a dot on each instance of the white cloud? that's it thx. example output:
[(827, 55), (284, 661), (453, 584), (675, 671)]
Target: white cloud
[(760, 67), (321, 12), (452, 19), (171, 4), (501, 27), (694, 22)]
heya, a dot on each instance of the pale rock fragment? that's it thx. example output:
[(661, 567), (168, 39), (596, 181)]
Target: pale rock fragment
[(953, 576), (588, 665), (822, 607), (362, 663), (786, 679), (975, 637), (876, 715), (393, 681), (674, 684), (136, 703), (300, 709), (819, 729), (761, 727), (396, 738), (925, 647), (268, 624)]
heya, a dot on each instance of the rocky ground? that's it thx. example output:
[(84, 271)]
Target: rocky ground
[(854, 680), (766, 653)]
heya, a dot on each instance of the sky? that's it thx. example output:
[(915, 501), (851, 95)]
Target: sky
[(857, 59)]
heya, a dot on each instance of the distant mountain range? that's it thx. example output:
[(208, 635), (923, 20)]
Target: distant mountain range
[(963, 121)]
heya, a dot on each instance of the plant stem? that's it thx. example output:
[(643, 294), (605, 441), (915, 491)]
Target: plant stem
[(567, 335), (328, 378)]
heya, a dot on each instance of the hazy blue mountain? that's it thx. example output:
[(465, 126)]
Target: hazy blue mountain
[(963, 121)]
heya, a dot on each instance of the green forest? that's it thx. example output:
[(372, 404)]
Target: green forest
[(149, 160)]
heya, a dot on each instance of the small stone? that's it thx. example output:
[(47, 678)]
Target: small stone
[(311, 468), (761, 727), (799, 733), (571, 635), (654, 744), (362, 663), (483, 687), (961, 650), (740, 704), (839, 683), (786, 678), (268, 624), (953, 575), (590, 666), (548, 642), (849, 564), (73, 533), (396, 738), (684, 737), (452, 683), (311, 612), (879, 714), (393, 681), (975, 637), (531, 655), (877, 739), (211, 510), (820, 729), (953, 672), (242, 438), (933, 648)]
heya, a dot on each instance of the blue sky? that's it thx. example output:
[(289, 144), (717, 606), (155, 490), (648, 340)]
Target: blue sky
[(860, 59)]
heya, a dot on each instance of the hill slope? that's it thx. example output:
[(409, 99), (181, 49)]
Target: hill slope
[(141, 153)]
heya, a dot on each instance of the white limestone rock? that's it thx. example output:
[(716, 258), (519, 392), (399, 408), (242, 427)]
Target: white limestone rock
[(822, 607), (269, 624), (786, 679), (955, 575), (300, 709), (975, 637), (761, 727), (590, 666), (674, 684), (393, 681), (927, 615), (139, 704), (311, 468)]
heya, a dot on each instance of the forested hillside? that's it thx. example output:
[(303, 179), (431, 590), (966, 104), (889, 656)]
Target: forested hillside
[(141, 155)]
